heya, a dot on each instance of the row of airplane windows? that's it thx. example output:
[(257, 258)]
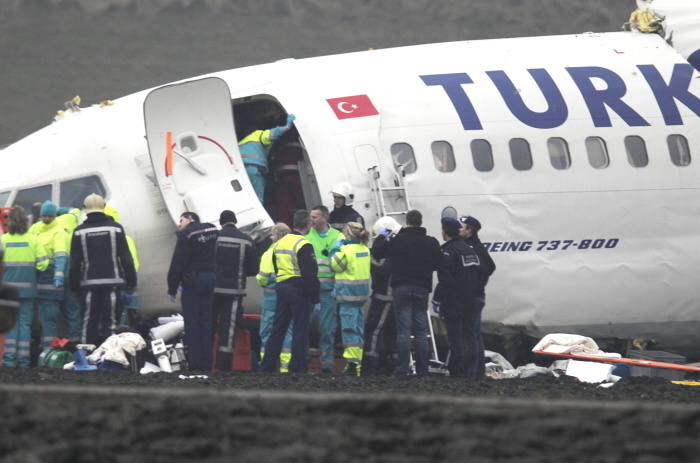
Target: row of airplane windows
[(558, 150)]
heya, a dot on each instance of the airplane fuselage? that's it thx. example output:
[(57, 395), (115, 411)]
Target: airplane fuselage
[(576, 153)]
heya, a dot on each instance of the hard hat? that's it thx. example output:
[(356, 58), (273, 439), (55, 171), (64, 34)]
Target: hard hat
[(388, 223), (344, 189)]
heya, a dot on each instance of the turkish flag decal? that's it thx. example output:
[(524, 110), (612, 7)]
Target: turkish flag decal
[(352, 106)]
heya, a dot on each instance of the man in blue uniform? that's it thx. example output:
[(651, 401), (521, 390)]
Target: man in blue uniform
[(297, 292), (236, 258), (192, 266), (101, 267)]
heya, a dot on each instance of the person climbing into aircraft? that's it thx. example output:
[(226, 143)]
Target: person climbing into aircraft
[(192, 267), (254, 149), (415, 256), (267, 278), (23, 259), (379, 353), (343, 212), (454, 300), (351, 264), (50, 283), (470, 233), (236, 257), (297, 295), (101, 268), (324, 238)]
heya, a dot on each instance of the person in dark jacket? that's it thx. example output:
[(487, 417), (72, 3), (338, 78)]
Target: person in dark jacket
[(415, 256), (298, 292), (192, 267), (343, 212), (454, 300), (101, 267), (236, 258), (470, 234), (380, 325)]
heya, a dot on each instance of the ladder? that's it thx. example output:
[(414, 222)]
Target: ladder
[(389, 200)]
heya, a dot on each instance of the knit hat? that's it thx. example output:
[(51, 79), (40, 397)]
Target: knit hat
[(94, 203), (48, 208), (62, 210), (450, 222), (471, 221), (227, 217)]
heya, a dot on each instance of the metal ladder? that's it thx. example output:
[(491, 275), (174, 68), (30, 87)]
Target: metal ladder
[(396, 195)]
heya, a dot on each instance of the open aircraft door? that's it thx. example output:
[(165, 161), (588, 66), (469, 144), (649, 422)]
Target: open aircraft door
[(194, 150)]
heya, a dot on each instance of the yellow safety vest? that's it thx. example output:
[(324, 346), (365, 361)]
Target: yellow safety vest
[(286, 259)]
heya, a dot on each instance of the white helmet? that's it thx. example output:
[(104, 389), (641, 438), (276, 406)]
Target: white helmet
[(388, 223), (344, 189)]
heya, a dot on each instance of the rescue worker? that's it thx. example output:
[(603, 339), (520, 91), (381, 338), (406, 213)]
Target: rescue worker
[(68, 218), (415, 256), (343, 212), (236, 258), (129, 302), (50, 283), (324, 238), (192, 267), (470, 234), (297, 295), (101, 267), (268, 280), (9, 298), (455, 301), (380, 325), (255, 148), (351, 264), (24, 256)]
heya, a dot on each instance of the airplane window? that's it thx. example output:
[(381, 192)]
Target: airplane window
[(558, 153), (74, 192), (636, 151), (4, 196), (597, 152), (482, 156), (443, 156), (402, 155), (520, 154), (678, 148), (29, 196)]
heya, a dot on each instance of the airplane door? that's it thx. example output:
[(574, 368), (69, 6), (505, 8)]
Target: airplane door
[(194, 150)]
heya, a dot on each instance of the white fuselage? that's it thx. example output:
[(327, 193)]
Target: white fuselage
[(605, 251)]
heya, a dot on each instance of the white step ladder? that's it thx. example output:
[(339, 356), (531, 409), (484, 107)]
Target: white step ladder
[(389, 200)]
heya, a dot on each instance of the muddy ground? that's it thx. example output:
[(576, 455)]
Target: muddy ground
[(120, 416)]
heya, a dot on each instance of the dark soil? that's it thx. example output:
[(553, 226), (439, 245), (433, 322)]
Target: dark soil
[(114, 416)]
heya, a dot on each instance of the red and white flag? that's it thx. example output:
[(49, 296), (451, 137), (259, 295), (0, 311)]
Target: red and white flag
[(352, 106)]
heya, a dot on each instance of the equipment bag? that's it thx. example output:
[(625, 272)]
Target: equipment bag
[(54, 357)]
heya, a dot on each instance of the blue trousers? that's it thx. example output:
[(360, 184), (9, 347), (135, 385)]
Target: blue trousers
[(352, 326), (327, 327), (70, 309), (292, 306), (17, 340), (258, 180), (197, 314), (269, 302), (411, 312), (48, 319)]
